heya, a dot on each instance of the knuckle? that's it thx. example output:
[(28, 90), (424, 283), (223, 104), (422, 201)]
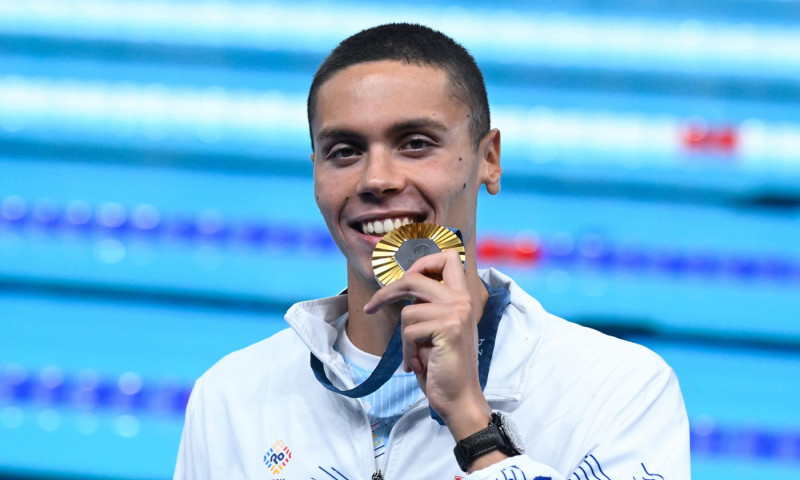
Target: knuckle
[(453, 329), (463, 309), (407, 315)]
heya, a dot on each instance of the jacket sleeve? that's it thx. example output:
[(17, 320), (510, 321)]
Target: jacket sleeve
[(519, 467), (193, 450), (647, 439), (644, 437)]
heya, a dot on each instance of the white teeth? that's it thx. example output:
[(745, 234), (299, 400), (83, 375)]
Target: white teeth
[(380, 227)]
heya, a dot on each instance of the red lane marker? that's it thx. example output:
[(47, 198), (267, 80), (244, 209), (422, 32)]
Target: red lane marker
[(509, 251), (699, 137)]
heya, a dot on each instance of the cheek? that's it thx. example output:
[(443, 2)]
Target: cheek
[(322, 197), (325, 207), (322, 189), (330, 199), (450, 198), (458, 191)]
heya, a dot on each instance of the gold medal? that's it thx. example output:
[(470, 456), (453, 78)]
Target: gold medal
[(401, 247)]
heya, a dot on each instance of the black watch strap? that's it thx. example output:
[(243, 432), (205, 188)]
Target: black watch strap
[(481, 443)]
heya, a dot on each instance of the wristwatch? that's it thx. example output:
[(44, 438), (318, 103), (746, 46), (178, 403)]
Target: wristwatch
[(501, 434)]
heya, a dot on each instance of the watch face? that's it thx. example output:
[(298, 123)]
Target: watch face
[(509, 430)]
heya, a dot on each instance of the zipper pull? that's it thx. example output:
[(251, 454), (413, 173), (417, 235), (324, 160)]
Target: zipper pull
[(377, 475)]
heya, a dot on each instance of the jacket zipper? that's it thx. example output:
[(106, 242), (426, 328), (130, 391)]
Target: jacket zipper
[(377, 474)]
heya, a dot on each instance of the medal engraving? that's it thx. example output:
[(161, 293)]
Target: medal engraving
[(413, 249)]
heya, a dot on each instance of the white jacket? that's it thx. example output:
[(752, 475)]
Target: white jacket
[(589, 407)]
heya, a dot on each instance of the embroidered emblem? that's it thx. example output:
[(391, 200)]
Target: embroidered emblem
[(277, 457)]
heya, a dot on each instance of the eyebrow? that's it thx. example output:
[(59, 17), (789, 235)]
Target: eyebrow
[(337, 133), (411, 124), (418, 123)]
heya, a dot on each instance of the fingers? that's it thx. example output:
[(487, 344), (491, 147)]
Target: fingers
[(421, 336), (417, 284), (447, 263), (446, 302)]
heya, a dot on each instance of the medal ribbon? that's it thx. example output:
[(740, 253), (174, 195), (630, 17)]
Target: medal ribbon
[(498, 300)]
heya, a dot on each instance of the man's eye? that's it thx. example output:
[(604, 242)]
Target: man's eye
[(417, 144), (342, 153), (345, 152)]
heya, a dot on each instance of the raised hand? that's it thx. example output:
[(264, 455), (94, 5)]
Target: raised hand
[(439, 331)]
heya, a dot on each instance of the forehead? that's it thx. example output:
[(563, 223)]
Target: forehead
[(386, 91)]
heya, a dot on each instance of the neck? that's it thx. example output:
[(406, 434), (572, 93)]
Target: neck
[(371, 333)]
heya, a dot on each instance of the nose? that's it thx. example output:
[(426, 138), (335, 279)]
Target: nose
[(381, 176)]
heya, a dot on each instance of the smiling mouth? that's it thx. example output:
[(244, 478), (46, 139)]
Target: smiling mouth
[(384, 226)]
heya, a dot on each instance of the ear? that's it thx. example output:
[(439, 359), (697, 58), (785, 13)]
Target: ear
[(491, 170), (311, 156)]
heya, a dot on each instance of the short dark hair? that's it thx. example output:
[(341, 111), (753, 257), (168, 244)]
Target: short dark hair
[(417, 45)]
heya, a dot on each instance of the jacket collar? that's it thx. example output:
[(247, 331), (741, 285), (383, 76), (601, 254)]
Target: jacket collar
[(318, 323)]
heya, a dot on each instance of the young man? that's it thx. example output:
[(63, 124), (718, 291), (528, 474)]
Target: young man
[(400, 132)]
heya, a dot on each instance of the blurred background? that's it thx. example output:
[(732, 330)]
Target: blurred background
[(156, 209)]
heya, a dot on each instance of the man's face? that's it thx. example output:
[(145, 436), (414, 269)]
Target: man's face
[(391, 146)]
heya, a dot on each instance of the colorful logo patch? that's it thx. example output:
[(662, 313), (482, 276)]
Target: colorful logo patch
[(277, 457)]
